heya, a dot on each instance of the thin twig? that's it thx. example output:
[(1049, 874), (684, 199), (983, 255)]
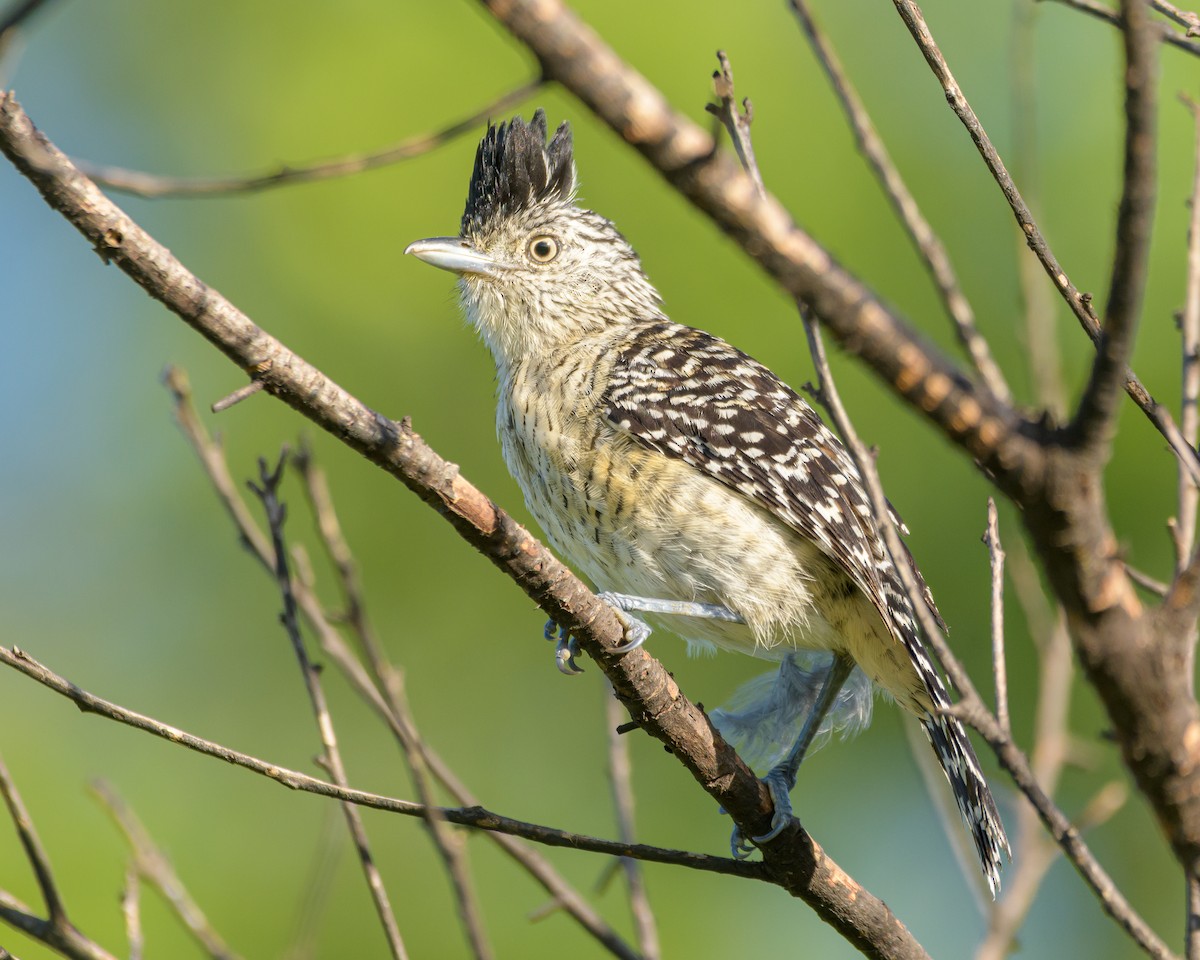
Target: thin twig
[(267, 490), (35, 853), (1192, 931), (933, 254), (152, 864), (476, 816), (736, 121), (1184, 18), (237, 396), (391, 704), (620, 774), (57, 931), (1147, 582), (389, 684), (1034, 851), (1189, 414), (991, 539), (1162, 32), (152, 185), (131, 910)]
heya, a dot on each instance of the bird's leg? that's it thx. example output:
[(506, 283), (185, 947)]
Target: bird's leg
[(636, 631), (782, 778)]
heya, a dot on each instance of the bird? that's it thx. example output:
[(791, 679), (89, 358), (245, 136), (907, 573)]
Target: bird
[(685, 479)]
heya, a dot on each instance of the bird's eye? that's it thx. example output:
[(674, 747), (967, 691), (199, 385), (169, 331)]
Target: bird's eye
[(543, 249)]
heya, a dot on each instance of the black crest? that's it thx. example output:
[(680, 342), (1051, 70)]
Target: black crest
[(515, 167)]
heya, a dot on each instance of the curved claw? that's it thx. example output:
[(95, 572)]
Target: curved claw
[(775, 782), (566, 648), (636, 632), (738, 845)]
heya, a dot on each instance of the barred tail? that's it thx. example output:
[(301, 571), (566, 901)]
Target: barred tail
[(971, 793)]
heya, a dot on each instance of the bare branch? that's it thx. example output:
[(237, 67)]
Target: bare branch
[(390, 686), (736, 121), (35, 853), (620, 773), (1080, 304), (267, 490), (1182, 17), (56, 932), (1093, 422), (1189, 413), (1161, 32), (131, 910), (991, 539), (150, 862), (153, 185), (929, 246)]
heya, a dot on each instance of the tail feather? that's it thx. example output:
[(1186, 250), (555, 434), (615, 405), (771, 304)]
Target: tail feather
[(954, 752), (971, 793)]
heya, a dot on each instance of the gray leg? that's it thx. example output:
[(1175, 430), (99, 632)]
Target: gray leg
[(636, 630), (782, 778)]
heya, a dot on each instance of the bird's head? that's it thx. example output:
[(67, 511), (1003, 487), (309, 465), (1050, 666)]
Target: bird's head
[(535, 270)]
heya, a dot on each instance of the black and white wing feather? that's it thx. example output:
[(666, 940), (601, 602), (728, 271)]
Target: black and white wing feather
[(694, 397)]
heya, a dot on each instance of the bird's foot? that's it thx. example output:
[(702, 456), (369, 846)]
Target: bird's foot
[(636, 631), (566, 648), (779, 782)]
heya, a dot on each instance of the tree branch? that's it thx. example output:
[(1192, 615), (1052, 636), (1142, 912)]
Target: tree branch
[(1094, 420)]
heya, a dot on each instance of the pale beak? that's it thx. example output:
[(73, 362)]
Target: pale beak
[(454, 254)]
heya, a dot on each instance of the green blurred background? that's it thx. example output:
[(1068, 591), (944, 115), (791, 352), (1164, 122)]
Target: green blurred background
[(119, 570)]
